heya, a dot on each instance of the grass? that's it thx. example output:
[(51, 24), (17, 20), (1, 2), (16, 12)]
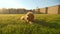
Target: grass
[(43, 24)]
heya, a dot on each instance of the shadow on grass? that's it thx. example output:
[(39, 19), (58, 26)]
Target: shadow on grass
[(47, 24), (41, 22)]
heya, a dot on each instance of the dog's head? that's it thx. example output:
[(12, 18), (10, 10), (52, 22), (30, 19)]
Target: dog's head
[(29, 14)]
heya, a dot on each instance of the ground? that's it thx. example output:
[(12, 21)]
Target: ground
[(43, 24)]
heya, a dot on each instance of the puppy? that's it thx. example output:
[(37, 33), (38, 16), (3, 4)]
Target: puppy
[(29, 17)]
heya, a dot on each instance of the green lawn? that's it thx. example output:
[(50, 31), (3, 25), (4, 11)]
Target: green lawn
[(43, 24)]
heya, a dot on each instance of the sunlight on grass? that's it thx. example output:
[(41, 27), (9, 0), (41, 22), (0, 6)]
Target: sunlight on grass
[(43, 24)]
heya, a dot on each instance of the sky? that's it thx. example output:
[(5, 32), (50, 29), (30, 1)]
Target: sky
[(28, 4)]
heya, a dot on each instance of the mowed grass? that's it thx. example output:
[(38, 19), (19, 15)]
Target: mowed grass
[(43, 24)]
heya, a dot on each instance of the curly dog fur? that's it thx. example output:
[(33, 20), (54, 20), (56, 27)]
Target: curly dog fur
[(29, 17)]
